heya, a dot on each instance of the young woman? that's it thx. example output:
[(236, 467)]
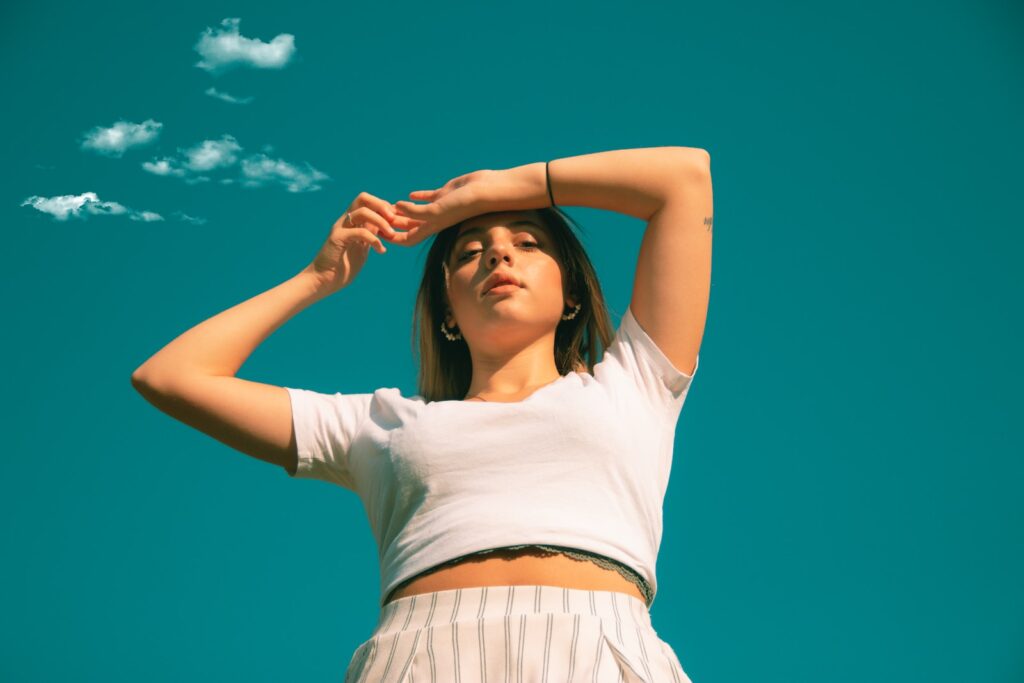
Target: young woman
[(516, 500)]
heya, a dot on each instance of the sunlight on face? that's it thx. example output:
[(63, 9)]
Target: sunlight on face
[(514, 243)]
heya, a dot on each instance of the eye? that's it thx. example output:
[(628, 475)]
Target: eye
[(467, 253)]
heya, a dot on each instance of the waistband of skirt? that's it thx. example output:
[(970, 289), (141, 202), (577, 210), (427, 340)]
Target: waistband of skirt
[(468, 604)]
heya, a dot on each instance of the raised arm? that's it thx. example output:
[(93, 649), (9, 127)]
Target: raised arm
[(670, 188), (192, 379)]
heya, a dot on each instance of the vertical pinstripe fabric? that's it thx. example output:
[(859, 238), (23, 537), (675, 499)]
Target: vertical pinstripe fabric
[(515, 634)]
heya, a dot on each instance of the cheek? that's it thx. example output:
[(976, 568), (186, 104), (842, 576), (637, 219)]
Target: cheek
[(462, 285), (550, 277)]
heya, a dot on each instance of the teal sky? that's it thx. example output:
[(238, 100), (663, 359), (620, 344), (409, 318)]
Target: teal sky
[(845, 501)]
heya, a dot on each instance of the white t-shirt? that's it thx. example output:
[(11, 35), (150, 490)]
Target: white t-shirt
[(582, 462)]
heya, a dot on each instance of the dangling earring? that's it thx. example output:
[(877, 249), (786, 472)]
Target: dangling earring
[(573, 314), (451, 337), (444, 329)]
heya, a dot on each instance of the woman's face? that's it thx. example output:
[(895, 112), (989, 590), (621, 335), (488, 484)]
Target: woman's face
[(517, 244)]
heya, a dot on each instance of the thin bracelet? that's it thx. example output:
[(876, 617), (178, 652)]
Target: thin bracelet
[(547, 174)]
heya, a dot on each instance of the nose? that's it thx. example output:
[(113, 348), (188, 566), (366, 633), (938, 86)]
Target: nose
[(499, 250)]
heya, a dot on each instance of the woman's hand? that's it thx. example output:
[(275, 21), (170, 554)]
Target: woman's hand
[(472, 194), (344, 252)]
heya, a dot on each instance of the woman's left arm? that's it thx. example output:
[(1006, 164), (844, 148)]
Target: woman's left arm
[(670, 188)]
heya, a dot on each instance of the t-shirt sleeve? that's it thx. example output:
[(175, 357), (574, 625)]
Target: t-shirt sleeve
[(325, 426), (634, 358)]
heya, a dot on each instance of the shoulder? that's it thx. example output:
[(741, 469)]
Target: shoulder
[(390, 403)]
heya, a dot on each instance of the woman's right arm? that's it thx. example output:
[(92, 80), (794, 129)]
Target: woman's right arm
[(192, 379)]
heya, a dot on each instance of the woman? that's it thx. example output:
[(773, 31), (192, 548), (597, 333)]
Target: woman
[(516, 500)]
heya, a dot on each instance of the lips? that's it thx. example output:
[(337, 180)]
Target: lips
[(498, 280)]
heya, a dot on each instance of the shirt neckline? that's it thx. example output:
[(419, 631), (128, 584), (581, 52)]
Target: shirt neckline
[(529, 398)]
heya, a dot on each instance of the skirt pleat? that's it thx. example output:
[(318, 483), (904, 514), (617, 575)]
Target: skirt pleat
[(515, 634)]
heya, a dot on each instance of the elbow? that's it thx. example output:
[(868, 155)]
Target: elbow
[(145, 378), (697, 159), (705, 160), (144, 387), (141, 382), (139, 374)]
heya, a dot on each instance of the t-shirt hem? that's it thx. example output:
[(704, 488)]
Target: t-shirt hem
[(387, 588)]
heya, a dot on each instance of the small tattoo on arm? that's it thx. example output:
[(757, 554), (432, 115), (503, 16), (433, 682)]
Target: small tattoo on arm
[(708, 220)]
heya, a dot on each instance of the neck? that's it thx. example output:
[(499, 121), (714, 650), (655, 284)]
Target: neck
[(509, 396), (510, 376)]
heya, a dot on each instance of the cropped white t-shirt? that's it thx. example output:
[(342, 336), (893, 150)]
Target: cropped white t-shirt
[(582, 462)]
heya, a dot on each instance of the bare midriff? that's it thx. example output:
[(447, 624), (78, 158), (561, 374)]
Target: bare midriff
[(519, 567)]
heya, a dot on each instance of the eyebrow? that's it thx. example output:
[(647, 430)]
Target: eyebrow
[(479, 229)]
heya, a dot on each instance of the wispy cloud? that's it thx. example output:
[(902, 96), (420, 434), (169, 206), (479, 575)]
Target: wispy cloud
[(220, 48), (223, 49), (81, 206), (163, 166), (189, 219), (211, 154), (208, 155), (257, 170), (113, 141), (63, 207), (213, 92)]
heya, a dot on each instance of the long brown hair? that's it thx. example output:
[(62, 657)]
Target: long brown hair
[(446, 368)]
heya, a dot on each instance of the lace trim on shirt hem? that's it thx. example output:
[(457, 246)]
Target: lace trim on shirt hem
[(602, 561)]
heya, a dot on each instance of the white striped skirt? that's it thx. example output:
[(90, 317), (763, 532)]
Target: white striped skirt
[(520, 634)]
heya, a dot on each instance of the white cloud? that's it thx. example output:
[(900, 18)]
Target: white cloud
[(211, 154), (222, 49), (257, 170), (213, 92), (189, 219), (260, 169), (84, 205), (205, 156), (147, 216), (163, 166), (113, 141), (87, 204)]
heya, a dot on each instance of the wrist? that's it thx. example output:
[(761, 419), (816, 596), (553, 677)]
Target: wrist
[(528, 187), (315, 285)]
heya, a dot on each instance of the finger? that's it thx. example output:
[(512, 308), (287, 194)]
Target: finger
[(423, 195), (372, 240), (365, 215), (381, 206), (406, 222), (410, 237), (422, 211)]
